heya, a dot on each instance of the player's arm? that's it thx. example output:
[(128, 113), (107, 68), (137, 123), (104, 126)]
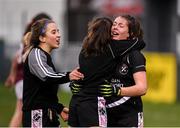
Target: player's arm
[(121, 47), (10, 81), (38, 66), (140, 87), (137, 62)]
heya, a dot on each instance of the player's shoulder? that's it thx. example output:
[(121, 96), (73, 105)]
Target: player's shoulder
[(136, 54), (36, 52)]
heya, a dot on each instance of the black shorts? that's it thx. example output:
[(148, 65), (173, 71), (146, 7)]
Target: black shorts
[(40, 118), (87, 112), (134, 119)]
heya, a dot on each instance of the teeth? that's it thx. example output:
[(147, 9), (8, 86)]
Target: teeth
[(115, 33)]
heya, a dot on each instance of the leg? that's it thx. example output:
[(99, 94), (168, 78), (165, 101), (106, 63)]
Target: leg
[(17, 117), (92, 112)]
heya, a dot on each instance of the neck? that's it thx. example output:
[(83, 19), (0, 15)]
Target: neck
[(45, 48)]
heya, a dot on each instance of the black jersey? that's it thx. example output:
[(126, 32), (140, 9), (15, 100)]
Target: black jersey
[(41, 81), (131, 63), (99, 69)]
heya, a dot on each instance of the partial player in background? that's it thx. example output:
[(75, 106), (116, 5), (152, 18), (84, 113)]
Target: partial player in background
[(15, 79)]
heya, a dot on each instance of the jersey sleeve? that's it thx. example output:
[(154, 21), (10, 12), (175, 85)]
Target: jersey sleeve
[(59, 108), (38, 66), (137, 61)]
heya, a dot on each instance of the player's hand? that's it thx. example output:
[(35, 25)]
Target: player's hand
[(10, 82), (108, 90), (76, 75), (65, 114), (75, 88)]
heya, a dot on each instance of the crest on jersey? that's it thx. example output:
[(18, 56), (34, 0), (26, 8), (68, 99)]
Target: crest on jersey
[(123, 69)]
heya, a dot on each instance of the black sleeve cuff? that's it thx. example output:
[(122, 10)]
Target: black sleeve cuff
[(60, 108)]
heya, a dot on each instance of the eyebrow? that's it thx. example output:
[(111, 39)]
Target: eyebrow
[(117, 23), (53, 29)]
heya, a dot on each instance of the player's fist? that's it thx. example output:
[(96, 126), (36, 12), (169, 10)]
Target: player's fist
[(65, 114)]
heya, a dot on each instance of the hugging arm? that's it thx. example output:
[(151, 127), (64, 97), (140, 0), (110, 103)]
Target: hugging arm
[(121, 47)]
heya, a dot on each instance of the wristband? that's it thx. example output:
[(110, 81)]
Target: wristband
[(119, 92)]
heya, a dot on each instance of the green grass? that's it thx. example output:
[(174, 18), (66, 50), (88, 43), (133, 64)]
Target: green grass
[(64, 98), (161, 115), (7, 104), (155, 114)]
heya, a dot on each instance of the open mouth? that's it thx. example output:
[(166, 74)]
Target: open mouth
[(58, 41), (114, 33)]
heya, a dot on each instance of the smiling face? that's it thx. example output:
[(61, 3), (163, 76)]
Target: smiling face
[(51, 39), (120, 30)]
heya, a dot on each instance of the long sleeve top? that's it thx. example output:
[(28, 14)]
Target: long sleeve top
[(41, 81)]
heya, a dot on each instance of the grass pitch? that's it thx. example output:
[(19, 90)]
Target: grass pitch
[(155, 114)]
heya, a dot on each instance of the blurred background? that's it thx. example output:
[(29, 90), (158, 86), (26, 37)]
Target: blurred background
[(160, 21)]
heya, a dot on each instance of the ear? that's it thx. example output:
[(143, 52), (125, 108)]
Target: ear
[(42, 39)]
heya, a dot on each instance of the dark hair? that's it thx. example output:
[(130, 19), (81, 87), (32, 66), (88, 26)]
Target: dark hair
[(98, 36), (38, 29), (39, 16), (135, 30), (35, 29)]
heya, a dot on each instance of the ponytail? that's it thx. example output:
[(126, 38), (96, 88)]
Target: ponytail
[(27, 45)]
